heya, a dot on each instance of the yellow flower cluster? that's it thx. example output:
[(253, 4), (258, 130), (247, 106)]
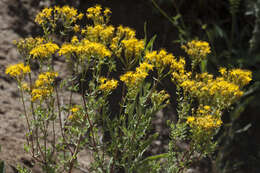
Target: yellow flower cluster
[(122, 33), (125, 32), (46, 78), (132, 79), (18, 70), (159, 97), (85, 49), (74, 109), (26, 45), (95, 13), (43, 86), (207, 89), (68, 13), (163, 59), (197, 49), (41, 17), (51, 15), (74, 40), (133, 47), (44, 50), (237, 76), (99, 33), (76, 28), (107, 85), (74, 113), (207, 122)]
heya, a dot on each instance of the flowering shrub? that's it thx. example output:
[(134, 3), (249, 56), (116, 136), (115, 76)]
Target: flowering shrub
[(103, 59)]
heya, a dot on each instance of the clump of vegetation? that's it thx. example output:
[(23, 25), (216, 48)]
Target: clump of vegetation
[(103, 59)]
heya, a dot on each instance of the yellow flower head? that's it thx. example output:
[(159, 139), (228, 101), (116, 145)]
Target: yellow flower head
[(197, 49), (44, 50), (45, 79), (240, 77), (43, 86), (50, 16), (162, 59), (107, 85), (107, 11), (207, 122), (190, 119), (17, 70), (222, 71), (133, 79), (133, 47), (76, 28), (85, 49), (74, 109), (80, 16), (74, 40), (95, 14), (44, 15), (41, 93)]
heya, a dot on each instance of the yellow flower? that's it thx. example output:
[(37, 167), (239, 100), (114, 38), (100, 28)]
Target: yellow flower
[(133, 79), (24, 46), (44, 50), (100, 33), (206, 107), (85, 49), (207, 122), (41, 17), (74, 109), (107, 85), (145, 66), (162, 59), (106, 34), (71, 117), (107, 11), (198, 49), (240, 77), (74, 40), (133, 47), (69, 13), (95, 14), (80, 16), (41, 93), (43, 86), (46, 78), (127, 32), (190, 119), (51, 15), (94, 11), (76, 28), (222, 71), (17, 70), (128, 78)]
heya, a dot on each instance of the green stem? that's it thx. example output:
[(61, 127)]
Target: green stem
[(26, 117)]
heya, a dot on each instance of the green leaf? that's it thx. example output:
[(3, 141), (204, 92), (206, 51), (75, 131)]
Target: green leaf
[(203, 66), (2, 167), (155, 157), (150, 43), (244, 129), (219, 31)]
